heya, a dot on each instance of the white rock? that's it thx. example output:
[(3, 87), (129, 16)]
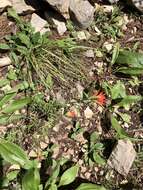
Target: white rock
[(89, 53), (108, 8), (14, 167), (39, 24), (98, 32), (61, 26), (81, 35), (82, 12), (43, 145), (32, 154), (88, 113), (122, 157), (4, 4), (108, 46), (5, 61), (21, 7)]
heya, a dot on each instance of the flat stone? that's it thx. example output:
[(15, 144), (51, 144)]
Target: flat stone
[(21, 7), (62, 6), (81, 35), (89, 53), (122, 157), (5, 61), (88, 113), (82, 12), (39, 24)]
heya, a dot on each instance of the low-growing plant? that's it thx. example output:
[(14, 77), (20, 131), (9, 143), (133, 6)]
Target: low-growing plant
[(94, 151), (31, 180), (48, 59)]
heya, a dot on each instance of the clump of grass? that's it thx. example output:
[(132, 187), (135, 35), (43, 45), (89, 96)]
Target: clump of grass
[(39, 55), (51, 60)]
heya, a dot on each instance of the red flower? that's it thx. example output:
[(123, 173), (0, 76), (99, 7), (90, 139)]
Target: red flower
[(71, 114), (100, 98)]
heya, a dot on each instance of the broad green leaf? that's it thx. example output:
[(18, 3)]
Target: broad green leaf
[(69, 176), (36, 37), (4, 47), (118, 91), (12, 175), (53, 187), (94, 137), (12, 153), (129, 100), (12, 13), (7, 98), (98, 146), (22, 49), (6, 119), (132, 59), (14, 58), (115, 53), (22, 86), (16, 105), (98, 159), (31, 180), (24, 39), (120, 131), (130, 71), (90, 186)]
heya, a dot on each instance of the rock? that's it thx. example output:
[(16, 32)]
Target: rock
[(122, 157), (89, 53), (81, 35), (21, 7), (4, 4), (113, 1), (137, 3), (5, 61), (60, 25), (108, 46), (62, 6), (43, 145), (32, 154), (39, 24), (82, 12), (88, 113)]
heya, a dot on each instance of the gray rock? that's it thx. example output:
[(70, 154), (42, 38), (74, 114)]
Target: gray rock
[(89, 53), (39, 24), (60, 26), (122, 157), (137, 3), (5, 61), (21, 7), (62, 6), (82, 12)]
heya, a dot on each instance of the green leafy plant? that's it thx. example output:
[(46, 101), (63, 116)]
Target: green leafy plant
[(13, 154), (94, 152), (129, 63), (47, 58)]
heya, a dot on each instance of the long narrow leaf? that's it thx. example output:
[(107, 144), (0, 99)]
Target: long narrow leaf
[(16, 105)]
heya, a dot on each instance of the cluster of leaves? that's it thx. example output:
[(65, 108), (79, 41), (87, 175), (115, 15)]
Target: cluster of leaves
[(13, 154), (48, 59)]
